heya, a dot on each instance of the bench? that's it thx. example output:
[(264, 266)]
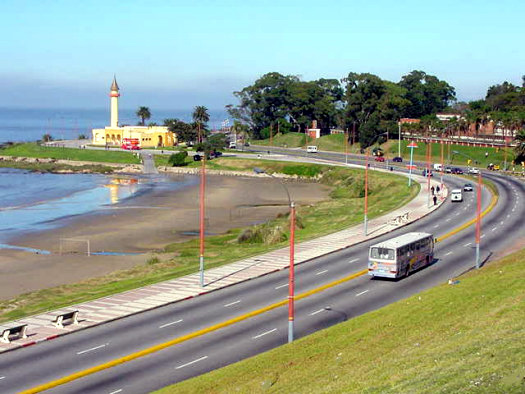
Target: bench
[(18, 331), (66, 318)]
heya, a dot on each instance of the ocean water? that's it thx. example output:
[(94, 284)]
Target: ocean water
[(17, 124)]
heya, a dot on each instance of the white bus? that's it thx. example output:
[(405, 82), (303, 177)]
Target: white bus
[(399, 256)]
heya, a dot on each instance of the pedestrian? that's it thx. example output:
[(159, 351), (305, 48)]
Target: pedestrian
[(432, 190), (437, 189), (435, 200)]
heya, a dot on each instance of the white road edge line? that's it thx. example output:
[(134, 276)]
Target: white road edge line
[(169, 324), (363, 292), (264, 333), (116, 391), (280, 287), (191, 362), (93, 348), (232, 303), (322, 272), (353, 261), (316, 312), (467, 244)]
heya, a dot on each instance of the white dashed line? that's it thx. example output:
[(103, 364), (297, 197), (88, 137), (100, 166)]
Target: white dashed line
[(483, 236), (280, 287), (501, 223), (232, 303), (353, 261), (322, 272), (116, 391), (169, 324), (192, 362), (264, 333), (2, 377), (436, 226), (447, 254), (316, 312), (467, 244), (457, 214), (494, 229), (93, 348), (508, 216), (448, 220), (363, 292)]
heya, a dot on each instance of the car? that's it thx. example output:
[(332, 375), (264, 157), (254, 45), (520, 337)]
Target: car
[(457, 171), (448, 170), (398, 159), (380, 158), (468, 187), (424, 173), (197, 157), (311, 149), (456, 195), (473, 171)]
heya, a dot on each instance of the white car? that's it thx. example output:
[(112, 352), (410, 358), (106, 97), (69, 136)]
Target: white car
[(311, 149), (473, 170), (456, 195), (468, 187)]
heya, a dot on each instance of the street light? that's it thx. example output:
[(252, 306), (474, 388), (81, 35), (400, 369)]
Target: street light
[(478, 221), (291, 277), (202, 213)]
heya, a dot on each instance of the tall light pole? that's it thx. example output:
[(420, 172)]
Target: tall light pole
[(366, 195), (411, 146), (429, 147), (291, 276), (478, 222), (399, 140), (202, 213), (442, 165)]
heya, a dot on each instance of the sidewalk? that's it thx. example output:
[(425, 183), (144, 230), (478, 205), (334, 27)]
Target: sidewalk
[(40, 327)]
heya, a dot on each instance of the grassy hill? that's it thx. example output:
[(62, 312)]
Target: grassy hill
[(467, 337)]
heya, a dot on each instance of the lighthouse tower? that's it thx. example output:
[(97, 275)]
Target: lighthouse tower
[(114, 94)]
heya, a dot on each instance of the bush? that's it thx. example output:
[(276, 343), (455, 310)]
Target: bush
[(47, 138), (82, 137), (178, 159)]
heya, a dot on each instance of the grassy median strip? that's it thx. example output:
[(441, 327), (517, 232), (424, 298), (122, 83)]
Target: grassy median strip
[(35, 150), (344, 209), (466, 337)]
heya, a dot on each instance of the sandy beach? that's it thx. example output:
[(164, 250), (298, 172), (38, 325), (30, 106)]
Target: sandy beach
[(145, 224)]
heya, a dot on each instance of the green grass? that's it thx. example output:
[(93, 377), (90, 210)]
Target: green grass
[(55, 167), (463, 338), (387, 192), (288, 140), (100, 156)]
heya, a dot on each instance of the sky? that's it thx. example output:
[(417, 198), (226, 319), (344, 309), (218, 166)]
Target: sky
[(179, 54)]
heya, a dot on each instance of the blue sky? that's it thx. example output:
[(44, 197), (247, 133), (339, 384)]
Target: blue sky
[(178, 54)]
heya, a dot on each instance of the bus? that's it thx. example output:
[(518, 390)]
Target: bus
[(130, 144), (400, 256)]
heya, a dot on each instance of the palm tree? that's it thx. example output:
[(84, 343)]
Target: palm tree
[(143, 113), (519, 149), (200, 117), (240, 131)]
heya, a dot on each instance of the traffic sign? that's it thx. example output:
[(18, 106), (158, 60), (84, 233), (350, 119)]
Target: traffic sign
[(412, 145)]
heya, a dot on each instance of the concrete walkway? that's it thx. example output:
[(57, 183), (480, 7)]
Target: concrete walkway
[(40, 327)]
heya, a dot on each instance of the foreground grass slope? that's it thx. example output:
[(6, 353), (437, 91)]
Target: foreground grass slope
[(467, 337)]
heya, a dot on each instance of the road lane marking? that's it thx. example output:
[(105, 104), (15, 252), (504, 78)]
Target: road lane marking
[(436, 226), (457, 214), (363, 292), (169, 324), (353, 261), (2, 377), (192, 362), (508, 216), (449, 253), (322, 272), (501, 223), (467, 244), (483, 236), (93, 348), (316, 312), (264, 333), (494, 229), (448, 220), (232, 303), (116, 391), (280, 287)]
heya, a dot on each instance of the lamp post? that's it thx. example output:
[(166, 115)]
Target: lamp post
[(291, 276), (478, 222), (429, 147), (399, 140), (201, 232), (411, 146), (366, 195), (442, 165)]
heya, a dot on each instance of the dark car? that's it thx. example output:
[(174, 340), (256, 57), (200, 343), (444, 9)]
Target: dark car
[(398, 159), (429, 173), (197, 157), (457, 171), (380, 158)]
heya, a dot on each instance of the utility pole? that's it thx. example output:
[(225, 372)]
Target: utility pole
[(291, 278), (399, 141), (428, 172), (366, 195), (202, 189), (478, 222)]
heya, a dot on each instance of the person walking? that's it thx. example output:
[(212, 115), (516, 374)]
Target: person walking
[(437, 189), (432, 190), (435, 200)]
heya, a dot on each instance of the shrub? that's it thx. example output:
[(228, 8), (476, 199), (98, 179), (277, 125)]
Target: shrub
[(47, 137), (178, 159)]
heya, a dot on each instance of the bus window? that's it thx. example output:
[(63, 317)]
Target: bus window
[(382, 253)]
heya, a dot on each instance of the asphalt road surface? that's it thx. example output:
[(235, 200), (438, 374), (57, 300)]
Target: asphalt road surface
[(28, 367)]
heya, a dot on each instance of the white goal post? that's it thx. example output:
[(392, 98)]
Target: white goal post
[(71, 245)]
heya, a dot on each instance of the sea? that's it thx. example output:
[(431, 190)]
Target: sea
[(31, 201)]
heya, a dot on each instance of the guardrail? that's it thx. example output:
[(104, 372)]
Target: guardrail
[(66, 318), (18, 331)]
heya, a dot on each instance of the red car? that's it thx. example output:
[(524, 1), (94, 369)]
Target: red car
[(380, 158)]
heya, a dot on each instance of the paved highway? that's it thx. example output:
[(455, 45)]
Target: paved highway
[(34, 365)]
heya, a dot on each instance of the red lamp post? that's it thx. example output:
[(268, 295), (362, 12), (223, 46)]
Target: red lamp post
[(366, 195), (202, 189), (291, 278), (478, 222)]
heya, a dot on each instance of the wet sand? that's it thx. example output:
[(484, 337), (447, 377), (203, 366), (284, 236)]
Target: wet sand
[(144, 224)]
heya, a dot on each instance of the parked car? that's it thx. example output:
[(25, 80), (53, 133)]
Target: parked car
[(493, 167), (448, 170), (473, 171), (311, 149), (425, 173), (197, 157), (457, 171), (398, 159), (468, 187), (380, 158)]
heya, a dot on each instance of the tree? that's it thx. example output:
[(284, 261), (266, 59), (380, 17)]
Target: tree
[(426, 93), (184, 131), (519, 149), (201, 118), (143, 113), (178, 159)]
